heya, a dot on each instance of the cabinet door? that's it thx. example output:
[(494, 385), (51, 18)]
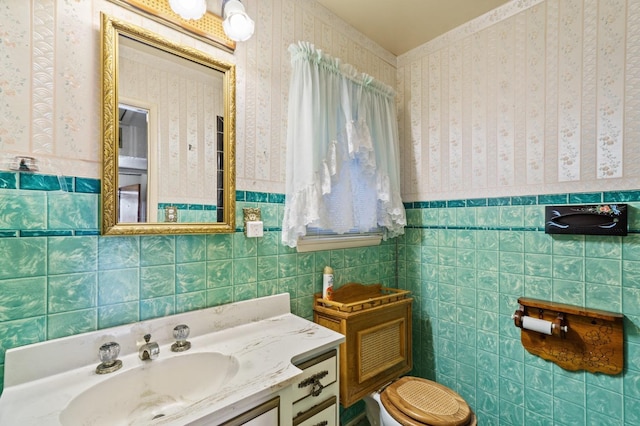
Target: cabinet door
[(267, 414)]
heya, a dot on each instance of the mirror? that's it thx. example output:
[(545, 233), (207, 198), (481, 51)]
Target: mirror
[(168, 136)]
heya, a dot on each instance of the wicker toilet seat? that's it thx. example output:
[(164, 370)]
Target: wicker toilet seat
[(413, 401)]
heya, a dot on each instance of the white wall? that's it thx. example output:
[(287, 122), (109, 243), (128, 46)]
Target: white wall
[(534, 97)]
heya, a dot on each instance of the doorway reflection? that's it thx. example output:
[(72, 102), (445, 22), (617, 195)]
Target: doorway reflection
[(133, 164)]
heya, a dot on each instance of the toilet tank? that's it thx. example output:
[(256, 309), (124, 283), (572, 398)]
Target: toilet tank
[(376, 323)]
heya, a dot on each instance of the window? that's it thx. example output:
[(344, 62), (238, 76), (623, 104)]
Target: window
[(342, 151)]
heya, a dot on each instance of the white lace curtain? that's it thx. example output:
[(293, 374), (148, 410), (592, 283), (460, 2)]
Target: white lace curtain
[(342, 150)]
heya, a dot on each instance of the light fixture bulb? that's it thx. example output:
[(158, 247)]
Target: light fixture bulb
[(237, 24), (189, 9)]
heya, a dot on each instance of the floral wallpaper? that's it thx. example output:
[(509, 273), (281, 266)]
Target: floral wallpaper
[(533, 97), (52, 94)]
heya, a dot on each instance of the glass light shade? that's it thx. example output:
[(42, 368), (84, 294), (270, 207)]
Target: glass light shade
[(237, 24), (189, 9)]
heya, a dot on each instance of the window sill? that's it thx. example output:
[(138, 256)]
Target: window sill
[(333, 242)]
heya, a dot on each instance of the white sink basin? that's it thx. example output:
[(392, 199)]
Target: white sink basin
[(241, 355), (152, 391)]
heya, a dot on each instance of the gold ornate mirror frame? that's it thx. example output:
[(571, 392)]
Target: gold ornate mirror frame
[(111, 29), (208, 28)]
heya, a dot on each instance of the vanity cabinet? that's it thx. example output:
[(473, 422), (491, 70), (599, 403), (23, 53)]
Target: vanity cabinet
[(315, 393), (311, 400), (241, 370)]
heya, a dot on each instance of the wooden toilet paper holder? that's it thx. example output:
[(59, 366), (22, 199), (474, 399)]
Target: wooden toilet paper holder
[(573, 337)]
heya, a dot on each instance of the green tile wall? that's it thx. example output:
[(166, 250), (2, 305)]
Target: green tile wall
[(57, 281), (189, 212), (468, 261)]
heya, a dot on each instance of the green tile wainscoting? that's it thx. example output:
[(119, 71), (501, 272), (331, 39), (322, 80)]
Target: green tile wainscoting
[(189, 212), (47, 205), (58, 277), (466, 262)]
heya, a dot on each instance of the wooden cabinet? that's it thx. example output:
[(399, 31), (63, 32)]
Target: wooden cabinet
[(377, 325)]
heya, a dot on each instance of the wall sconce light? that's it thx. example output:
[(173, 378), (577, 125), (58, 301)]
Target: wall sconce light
[(189, 9), (237, 24)]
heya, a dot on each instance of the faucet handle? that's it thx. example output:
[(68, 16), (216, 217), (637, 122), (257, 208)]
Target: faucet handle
[(109, 351), (180, 333), (109, 361)]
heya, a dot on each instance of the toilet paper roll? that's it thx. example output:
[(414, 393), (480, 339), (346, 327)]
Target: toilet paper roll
[(535, 324)]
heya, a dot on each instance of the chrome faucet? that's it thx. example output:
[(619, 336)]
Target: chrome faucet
[(150, 350)]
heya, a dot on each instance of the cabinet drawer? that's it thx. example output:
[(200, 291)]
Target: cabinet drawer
[(266, 414), (324, 414), (309, 402), (319, 373)]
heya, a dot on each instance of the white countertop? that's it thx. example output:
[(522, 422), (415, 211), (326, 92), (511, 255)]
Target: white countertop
[(42, 379)]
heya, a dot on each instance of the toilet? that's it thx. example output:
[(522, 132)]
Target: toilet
[(376, 356), (413, 401)]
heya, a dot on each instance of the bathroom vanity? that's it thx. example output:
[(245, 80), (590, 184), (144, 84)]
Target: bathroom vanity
[(250, 362)]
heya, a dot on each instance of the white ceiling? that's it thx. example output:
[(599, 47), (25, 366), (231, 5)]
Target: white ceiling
[(401, 25)]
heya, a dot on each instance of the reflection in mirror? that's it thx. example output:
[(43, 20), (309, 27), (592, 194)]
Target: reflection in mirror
[(168, 132), (132, 164)]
